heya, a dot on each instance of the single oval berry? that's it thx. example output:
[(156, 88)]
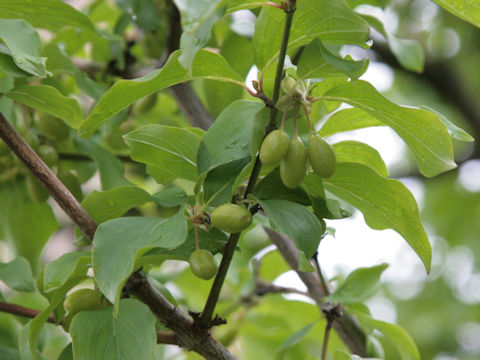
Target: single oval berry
[(48, 154), (288, 85), (321, 156), (293, 166), (231, 218), (274, 147), (203, 264), (83, 299), (80, 300)]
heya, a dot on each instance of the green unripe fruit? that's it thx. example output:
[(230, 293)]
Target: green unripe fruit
[(256, 239), (31, 140), (203, 264), (231, 218), (35, 190), (81, 300), (70, 180), (52, 127), (293, 166), (321, 156), (288, 85), (48, 154), (274, 147), (285, 102)]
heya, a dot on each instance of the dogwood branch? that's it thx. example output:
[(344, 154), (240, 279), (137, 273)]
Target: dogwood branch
[(168, 314)]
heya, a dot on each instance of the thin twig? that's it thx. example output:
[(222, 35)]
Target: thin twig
[(22, 311), (331, 312), (207, 313), (347, 327)]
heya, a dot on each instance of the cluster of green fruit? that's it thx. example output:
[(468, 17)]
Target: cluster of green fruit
[(292, 156), (43, 135), (82, 300), (231, 218)]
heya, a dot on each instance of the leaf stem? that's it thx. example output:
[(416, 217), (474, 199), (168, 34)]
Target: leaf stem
[(307, 115), (284, 117), (197, 242), (207, 313)]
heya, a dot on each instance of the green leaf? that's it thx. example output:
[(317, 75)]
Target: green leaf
[(303, 263), (408, 52), (295, 221), (424, 133), (468, 10), (212, 240), (360, 285), (40, 219), (48, 99), (454, 131), (323, 206), (198, 18), (129, 335), (168, 147), (318, 62), (206, 65), (171, 197), (17, 275), (9, 68), (45, 14), (218, 185), (30, 332), (403, 341), (59, 62), (120, 242), (235, 5), (229, 137), (354, 151), (106, 205), (24, 45), (348, 119), (67, 353), (271, 187), (312, 19), (7, 353), (385, 204), (109, 166), (295, 338), (57, 273)]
